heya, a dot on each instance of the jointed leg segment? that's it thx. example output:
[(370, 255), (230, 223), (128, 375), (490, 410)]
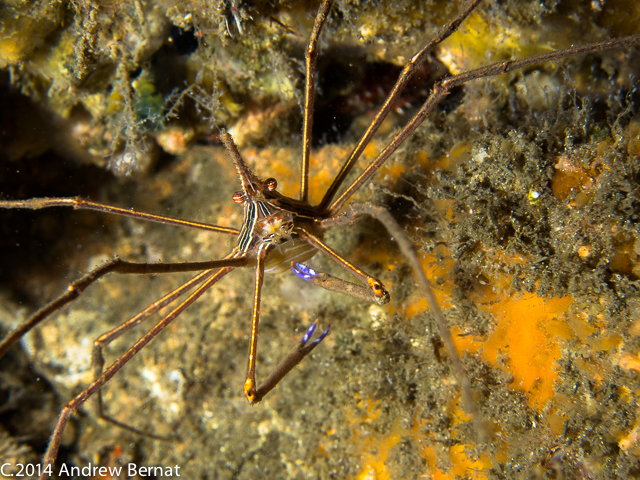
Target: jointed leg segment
[(294, 358), (250, 382), (380, 294), (105, 339), (73, 405), (406, 247), (311, 53), (335, 284), (115, 265), (256, 393), (78, 203), (407, 73), (442, 88)]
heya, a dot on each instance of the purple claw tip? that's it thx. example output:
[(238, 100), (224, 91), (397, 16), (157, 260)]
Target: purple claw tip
[(303, 271), (324, 334), (310, 331)]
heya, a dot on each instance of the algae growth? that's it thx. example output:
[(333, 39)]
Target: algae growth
[(523, 201)]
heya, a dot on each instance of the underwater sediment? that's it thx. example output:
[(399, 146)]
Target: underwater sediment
[(520, 192)]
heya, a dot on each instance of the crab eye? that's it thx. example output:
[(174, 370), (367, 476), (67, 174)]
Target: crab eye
[(238, 197), (271, 184)]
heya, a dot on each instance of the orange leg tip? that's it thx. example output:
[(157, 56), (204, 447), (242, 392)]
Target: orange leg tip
[(250, 389)]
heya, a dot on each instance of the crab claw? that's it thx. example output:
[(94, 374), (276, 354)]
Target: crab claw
[(310, 331)]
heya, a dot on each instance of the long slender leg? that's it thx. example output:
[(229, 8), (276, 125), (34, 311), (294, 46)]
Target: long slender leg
[(335, 284), (78, 203), (442, 88), (294, 358), (376, 286), (311, 53), (114, 265), (105, 339), (407, 72), (256, 394), (73, 405), (250, 382), (383, 215)]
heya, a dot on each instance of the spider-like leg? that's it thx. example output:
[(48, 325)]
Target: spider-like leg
[(73, 405), (377, 288), (78, 203), (311, 53), (256, 394), (250, 382), (442, 88), (294, 358), (408, 71), (335, 284), (97, 358), (115, 265), (356, 210)]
